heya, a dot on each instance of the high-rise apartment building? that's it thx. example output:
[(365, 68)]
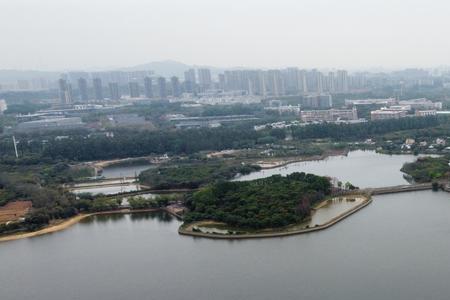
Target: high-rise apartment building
[(114, 91), (189, 80), (133, 87), (302, 84), (83, 89), (292, 80), (162, 89), (275, 83), (331, 82), (98, 88), (342, 81), (175, 83), (148, 87), (204, 78), (65, 92)]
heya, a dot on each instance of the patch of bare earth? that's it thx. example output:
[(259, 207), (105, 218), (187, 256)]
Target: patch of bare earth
[(14, 211)]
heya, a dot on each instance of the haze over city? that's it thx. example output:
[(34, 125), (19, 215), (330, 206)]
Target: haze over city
[(101, 34), (224, 149)]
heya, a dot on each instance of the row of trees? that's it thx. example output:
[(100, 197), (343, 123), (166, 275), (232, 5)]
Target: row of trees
[(427, 169), (365, 130), (81, 146), (140, 202)]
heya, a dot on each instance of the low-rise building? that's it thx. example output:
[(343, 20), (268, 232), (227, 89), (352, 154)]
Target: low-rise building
[(440, 141), (425, 113), (318, 101), (422, 104), (410, 142), (400, 107), (50, 124), (284, 109), (210, 121), (385, 114), (385, 102), (330, 115)]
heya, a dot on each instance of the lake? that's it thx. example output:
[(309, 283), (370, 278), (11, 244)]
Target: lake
[(126, 170), (108, 190), (361, 168), (396, 248)]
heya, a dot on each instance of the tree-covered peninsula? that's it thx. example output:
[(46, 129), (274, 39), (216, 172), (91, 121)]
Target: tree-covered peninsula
[(192, 176), (271, 202), (427, 169)]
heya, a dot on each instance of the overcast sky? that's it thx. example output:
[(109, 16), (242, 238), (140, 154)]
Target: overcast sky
[(77, 34)]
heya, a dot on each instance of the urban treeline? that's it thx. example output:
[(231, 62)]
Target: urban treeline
[(132, 143)]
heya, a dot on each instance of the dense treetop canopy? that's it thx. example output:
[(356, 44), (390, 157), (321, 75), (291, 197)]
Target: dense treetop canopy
[(271, 202)]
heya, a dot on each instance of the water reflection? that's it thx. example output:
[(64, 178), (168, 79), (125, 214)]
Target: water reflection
[(128, 170), (361, 168), (108, 190), (397, 248), (160, 216)]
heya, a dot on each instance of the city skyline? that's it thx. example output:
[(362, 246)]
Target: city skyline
[(252, 34)]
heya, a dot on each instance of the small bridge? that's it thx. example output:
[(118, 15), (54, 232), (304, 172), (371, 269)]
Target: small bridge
[(399, 189)]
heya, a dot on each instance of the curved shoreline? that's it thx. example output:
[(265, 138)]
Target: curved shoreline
[(326, 225), (318, 157), (68, 223)]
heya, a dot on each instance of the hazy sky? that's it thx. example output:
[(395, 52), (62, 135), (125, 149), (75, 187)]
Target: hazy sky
[(75, 34)]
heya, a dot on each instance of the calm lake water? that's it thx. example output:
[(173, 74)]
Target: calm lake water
[(128, 170), (333, 208), (108, 190), (361, 168), (396, 248)]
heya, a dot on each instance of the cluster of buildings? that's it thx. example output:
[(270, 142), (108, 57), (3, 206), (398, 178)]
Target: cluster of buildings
[(391, 108), (399, 109), (94, 87), (201, 82), (290, 81), (275, 82), (318, 101), (431, 145)]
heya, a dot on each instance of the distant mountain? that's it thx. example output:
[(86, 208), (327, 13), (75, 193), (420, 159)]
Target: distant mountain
[(165, 68)]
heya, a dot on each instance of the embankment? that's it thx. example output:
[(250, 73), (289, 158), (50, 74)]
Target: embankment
[(183, 231)]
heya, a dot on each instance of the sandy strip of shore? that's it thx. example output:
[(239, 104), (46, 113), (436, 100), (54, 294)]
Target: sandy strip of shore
[(282, 162), (67, 223), (52, 228)]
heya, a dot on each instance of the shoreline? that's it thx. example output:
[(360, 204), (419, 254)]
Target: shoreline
[(331, 222), (69, 223), (284, 162)]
